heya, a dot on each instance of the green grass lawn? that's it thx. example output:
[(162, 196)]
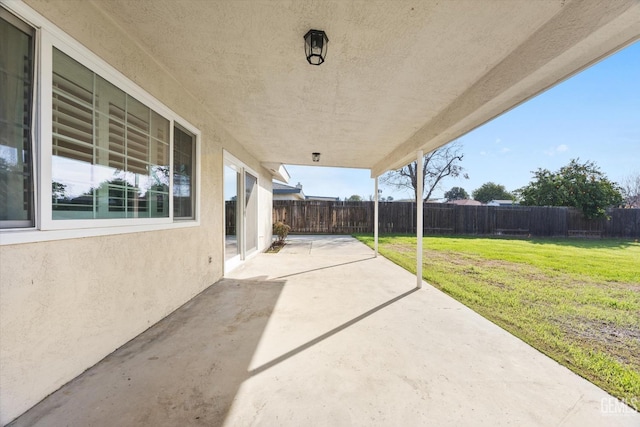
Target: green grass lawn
[(577, 301)]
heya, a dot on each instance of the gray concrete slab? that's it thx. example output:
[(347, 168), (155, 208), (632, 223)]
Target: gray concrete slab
[(325, 334)]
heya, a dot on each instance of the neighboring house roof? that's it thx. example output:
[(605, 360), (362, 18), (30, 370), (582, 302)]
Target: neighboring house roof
[(323, 198), (502, 203), (465, 202), (286, 189), (282, 191)]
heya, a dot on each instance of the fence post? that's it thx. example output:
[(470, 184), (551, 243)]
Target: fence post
[(419, 218)]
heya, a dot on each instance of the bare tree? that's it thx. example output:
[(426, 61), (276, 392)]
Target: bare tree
[(631, 190), (438, 164)]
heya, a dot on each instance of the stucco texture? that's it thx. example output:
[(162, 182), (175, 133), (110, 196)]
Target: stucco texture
[(400, 75), (66, 304)]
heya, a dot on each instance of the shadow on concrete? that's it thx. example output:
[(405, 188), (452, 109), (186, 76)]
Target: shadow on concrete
[(329, 334), (184, 370), (323, 268)]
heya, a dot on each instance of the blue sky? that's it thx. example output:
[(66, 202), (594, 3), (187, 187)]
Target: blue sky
[(594, 116)]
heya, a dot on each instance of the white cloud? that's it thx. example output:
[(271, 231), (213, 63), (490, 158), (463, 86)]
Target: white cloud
[(498, 141), (505, 150), (555, 150), (483, 153)]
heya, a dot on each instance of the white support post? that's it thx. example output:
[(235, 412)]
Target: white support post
[(419, 218), (375, 219)]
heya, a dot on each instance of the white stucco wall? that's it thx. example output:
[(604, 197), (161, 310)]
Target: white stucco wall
[(66, 304)]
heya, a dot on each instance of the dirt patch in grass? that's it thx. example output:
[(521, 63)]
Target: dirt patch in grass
[(473, 264), (401, 248), (622, 342)]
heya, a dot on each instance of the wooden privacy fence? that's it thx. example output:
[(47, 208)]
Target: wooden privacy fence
[(325, 217)]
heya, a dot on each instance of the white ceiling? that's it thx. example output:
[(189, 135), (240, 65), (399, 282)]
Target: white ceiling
[(399, 75)]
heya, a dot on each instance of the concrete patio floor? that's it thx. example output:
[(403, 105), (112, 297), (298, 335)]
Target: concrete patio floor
[(324, 334)]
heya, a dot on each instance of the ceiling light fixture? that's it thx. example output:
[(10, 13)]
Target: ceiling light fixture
[(315, 46)]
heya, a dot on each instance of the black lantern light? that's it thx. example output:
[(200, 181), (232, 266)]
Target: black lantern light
[(315, 46), (315, 156)]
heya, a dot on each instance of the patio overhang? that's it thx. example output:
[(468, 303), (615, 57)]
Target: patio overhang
[(278, 171), (399, 76)]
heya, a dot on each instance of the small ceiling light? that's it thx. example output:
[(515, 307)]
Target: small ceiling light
[(315, 157), (315, 46)]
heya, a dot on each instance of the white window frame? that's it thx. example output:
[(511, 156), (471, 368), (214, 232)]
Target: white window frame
[(35, 111), (196, 191), (48, 36)]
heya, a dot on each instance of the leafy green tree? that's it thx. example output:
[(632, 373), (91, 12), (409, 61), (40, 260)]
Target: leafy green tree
[(579, 185), (456, 193), (354, 198), (491, 191), (58, 191)]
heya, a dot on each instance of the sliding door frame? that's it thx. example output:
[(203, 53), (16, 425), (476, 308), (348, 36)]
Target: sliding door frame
[(246, 216)]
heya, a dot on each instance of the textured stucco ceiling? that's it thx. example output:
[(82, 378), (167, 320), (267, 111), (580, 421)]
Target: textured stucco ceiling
[(399, 75)]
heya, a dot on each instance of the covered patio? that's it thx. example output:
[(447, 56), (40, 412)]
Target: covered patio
[(325, 333)]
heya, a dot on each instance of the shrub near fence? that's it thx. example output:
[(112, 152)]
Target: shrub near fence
[(326, 217)]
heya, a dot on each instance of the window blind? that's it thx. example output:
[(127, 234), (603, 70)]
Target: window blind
[(118, 144)]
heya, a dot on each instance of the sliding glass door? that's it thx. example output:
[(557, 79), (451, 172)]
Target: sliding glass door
[(241, 212), (231, 214)]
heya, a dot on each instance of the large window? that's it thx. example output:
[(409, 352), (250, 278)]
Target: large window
[(16, 117), (108, 157), (110, 151)]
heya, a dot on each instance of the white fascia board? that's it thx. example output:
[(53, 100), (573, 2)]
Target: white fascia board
[(278, 171)]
